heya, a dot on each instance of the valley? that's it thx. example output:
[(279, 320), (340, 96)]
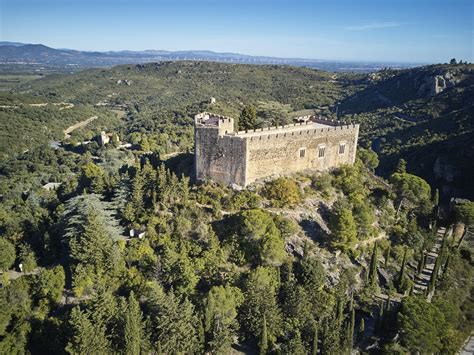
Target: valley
[(105, 225)]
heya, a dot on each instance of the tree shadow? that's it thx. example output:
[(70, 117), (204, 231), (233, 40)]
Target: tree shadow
[(314, 231), (181, 164)]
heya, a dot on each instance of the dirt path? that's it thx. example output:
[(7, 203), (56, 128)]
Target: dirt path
[(62, 105), (70, 129), (381, 235)]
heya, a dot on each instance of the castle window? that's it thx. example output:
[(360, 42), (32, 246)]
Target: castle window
[(342, 148), (302, 152), (321, 151)]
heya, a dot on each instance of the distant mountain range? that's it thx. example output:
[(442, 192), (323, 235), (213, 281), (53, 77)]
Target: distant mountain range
[(16, 53)]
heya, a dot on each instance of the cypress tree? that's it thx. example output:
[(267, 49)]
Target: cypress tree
[(263, 343), (350, 335), (401, 275), (434, 274), (315, 341), (387, 255), (380, 319), (436, 197), (421, 262), (446, 264), (362, 327), (158, 349), (340, 310), (373, 267)]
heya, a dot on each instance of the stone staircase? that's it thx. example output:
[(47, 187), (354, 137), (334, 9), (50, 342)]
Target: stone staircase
[(422, 280)]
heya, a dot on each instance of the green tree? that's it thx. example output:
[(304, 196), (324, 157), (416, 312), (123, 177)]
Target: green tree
[(362, 327), (350, 332), (263, 342), (248, 118), (133, 327), (401, 276), (413, 192), (262, 240), (464, 212), (369, 158), (260, 301), (314, 346), (27, 258), (401, 166), (312, 275), (372, 276), (7, 254), (93, 177), (282, 192), (421, 325), (49, 283), (94, 246), (387, 255), (220, 317), (343, 228), (173, 323), (87, 336)]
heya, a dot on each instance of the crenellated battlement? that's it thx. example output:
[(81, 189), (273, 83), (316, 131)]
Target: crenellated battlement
[(211, 119)]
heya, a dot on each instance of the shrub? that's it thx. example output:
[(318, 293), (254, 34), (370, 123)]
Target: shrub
[(282, 192)]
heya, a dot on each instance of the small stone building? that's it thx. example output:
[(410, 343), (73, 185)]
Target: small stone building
[(240, 158)]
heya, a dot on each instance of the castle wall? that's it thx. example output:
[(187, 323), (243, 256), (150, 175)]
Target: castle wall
[(278, 153), (243, 157), (218, 157)]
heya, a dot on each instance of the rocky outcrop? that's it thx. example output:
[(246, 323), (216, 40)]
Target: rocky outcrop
[(433, 85), (444, 171)]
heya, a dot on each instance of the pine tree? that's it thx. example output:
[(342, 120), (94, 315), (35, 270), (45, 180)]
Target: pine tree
[(133, 327), (248, 118), (263, 343), (372, 277), (401, 166), (344, 229), (87, 337), (94, 245)]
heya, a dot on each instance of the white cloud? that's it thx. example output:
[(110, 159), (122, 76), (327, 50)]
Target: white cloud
[(373, 26)]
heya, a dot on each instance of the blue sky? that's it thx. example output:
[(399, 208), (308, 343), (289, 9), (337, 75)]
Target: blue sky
[(390, 30)]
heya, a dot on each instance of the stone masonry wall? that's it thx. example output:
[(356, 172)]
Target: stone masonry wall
[(278, 153), (219, 157), (243, 157)]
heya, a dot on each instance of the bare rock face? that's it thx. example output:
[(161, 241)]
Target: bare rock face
[(445, 171), (433, 85)]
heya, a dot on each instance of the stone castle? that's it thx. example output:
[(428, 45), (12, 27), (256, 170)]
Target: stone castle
[(240, 158)]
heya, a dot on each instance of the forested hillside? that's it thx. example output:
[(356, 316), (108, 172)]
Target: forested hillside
[(108, 246), (422, 114)]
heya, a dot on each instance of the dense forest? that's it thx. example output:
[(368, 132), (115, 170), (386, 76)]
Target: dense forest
[(111, 247)]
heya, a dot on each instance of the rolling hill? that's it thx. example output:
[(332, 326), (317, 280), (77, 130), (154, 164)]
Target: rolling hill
[(423, 115)]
